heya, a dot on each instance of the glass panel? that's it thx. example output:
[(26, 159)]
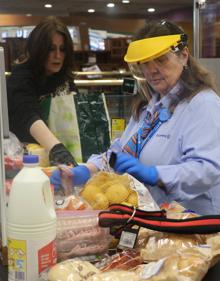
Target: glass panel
[(210, 29)]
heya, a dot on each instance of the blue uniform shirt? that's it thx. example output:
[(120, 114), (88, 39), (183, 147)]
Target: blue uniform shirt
[(186, 153)]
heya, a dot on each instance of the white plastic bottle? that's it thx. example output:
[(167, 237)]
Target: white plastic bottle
[(31, 227)]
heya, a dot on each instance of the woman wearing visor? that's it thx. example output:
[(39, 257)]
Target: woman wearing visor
[(171, 142)]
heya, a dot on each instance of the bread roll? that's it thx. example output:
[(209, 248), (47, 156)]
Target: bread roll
[(155, 245), (186, 265), (115, 275), (72, 270)]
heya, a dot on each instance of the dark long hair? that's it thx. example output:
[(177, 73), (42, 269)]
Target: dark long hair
[(194, 77), (39, 44)]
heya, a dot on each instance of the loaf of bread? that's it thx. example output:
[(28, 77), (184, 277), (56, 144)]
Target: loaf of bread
[(115, 275), (72, 270), (190, 264), (155, 245)]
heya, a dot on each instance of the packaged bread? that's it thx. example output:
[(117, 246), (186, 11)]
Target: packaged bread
[(72, 270), (115, 275), (190, 264), (213, 241), (174, 210), (155, 245)]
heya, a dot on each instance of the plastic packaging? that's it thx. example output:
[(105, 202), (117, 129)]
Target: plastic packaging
[(125, 260), (78, 234), (71, 203), (105, 188), (31, 223), (115, 275), (156, 245), (72, 270), (189, 264)]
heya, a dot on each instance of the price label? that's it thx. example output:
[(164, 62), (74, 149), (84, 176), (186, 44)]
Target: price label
[(128, 238)]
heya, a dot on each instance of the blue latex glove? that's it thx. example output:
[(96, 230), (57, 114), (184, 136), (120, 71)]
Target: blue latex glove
[(80, 176), (125, 163)]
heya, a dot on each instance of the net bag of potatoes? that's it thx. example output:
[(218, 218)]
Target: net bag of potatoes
[(105, 189)]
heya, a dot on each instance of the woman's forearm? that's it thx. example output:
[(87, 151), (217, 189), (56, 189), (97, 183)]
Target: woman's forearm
[(42, 134)]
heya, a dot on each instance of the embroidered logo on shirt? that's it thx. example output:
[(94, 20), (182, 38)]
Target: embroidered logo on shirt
[(163, 136)]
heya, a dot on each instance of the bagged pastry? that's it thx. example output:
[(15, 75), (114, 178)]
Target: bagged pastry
[(190, 264), (115, 275), (155, 245), (213, 241), (72, 270)]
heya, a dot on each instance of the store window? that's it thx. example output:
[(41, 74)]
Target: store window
[(24, 31), (209, 18)]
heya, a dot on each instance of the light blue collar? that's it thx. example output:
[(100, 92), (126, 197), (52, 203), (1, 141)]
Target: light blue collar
[(171, 97)]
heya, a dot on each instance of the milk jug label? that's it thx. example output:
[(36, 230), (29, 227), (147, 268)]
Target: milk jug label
[(28, 258), (17, 259), (47, 256)]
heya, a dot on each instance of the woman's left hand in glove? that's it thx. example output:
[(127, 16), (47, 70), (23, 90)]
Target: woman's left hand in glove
[(80, 176), (60, 155), (125, 163)]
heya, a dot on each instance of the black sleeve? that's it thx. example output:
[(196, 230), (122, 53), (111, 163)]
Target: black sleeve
[(73, 87), (23, 105)]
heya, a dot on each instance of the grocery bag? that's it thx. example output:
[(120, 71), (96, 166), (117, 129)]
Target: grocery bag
[(93, 121), (62, 121)]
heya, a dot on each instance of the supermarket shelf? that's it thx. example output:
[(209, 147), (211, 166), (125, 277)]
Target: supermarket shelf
[(98, 82)]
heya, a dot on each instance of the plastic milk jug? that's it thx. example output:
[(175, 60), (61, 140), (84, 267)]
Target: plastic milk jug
[(31, 226)]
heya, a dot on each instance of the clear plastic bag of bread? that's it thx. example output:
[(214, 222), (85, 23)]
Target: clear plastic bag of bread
[(155, 245), (106, 188), (213, 241), (115, 275), (72, 270), (174, 210), (190, 264)]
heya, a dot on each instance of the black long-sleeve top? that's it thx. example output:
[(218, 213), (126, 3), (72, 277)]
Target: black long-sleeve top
[(24, 92)]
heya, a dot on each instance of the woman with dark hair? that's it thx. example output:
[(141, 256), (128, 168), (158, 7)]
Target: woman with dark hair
[(171, 142), (44, 76)]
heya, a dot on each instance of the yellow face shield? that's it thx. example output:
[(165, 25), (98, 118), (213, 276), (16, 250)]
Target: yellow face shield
[(155, 52), (150, 48)]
